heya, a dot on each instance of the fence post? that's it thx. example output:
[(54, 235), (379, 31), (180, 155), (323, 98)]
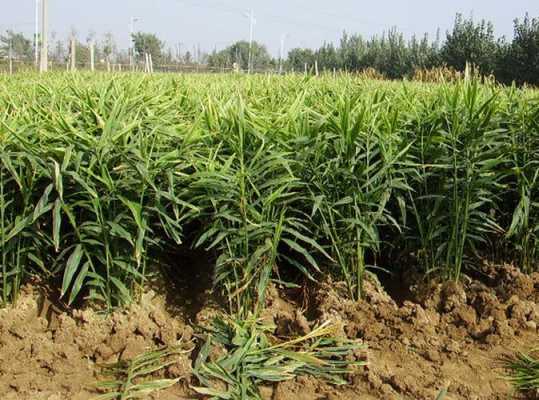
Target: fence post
[(73, 55), (92, 54), (10, 57)]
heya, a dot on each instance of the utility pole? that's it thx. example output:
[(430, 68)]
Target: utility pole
[(281, 53), (131, 41), (73, 52), (44, 65), (36, 36), (11, 54), (179, 54), (252, 23), (198, 56)]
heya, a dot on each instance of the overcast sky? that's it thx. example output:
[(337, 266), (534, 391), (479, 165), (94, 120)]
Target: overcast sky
[(216, 23)]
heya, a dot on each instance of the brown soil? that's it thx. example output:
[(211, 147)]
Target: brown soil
[(441, 336), (51, 355)]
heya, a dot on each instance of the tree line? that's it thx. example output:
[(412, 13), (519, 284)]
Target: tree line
[(21, 49), (393, 56), (390, 54)]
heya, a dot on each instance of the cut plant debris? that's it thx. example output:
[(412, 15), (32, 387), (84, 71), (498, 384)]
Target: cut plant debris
[(254, 356), (134, 379), (524, 372)]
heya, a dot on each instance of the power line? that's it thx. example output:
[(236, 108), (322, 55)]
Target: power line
[(216, 6), (2, 26), (280, 20), (285, 20), (362, 21)]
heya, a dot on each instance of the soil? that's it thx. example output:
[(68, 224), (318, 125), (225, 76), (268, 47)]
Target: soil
[(438, 336), (46, 354)]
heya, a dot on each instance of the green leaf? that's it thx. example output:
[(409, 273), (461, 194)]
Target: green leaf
[(43, 205), (301, 250), (71, 268), (136, 211), (56, 223), (125, 294), (78, 282)]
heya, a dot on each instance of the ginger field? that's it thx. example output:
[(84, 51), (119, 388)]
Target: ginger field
[(362, 238)]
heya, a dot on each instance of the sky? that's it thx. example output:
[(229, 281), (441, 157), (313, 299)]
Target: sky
[(213, 24)]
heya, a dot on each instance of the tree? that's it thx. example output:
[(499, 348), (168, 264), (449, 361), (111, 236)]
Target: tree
[(21, 47), (469, 42), (522, 58), (220, 59), (108, 46), (239, 53), (390, 54), (423, 54), (82, 50), (187, 58), (395, 57), (148, 43), (297, 58), (327, 57), (352, 49), (59, 53)]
